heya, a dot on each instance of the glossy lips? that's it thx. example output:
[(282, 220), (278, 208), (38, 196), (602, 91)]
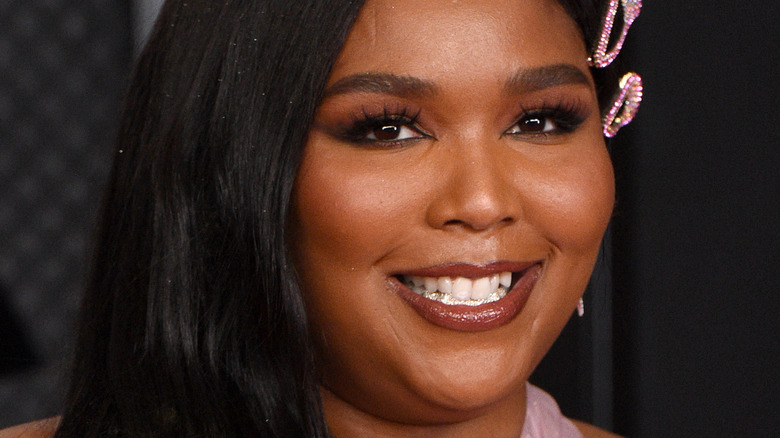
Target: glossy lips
[(466, 297)]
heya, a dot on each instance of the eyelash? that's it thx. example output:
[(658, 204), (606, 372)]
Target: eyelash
[(366, 124), (566, 117)]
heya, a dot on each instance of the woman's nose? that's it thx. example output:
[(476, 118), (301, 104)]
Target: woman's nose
[(475, 190)]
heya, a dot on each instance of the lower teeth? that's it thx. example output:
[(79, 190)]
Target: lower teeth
[(448, 299)]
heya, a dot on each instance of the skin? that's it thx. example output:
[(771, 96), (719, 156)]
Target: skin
[(38, 429), (460, 186)]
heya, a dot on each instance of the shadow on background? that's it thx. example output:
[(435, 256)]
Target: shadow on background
[(16, 354)]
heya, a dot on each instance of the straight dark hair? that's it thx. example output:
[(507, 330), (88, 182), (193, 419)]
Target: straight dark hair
[(192, 322)]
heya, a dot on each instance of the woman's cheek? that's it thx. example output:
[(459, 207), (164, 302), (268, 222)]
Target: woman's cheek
[(354, 210), (573, 207)]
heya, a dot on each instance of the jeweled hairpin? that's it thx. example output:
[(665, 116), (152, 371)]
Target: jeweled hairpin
[(601, 56), (629, 96), (625, 105)]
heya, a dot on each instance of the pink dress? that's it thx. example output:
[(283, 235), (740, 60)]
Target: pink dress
[(543, 419)]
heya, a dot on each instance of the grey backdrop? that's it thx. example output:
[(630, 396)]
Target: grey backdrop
[(63, 65)]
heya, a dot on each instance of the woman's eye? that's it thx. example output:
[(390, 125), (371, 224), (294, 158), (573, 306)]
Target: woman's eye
[(534, 124), (385, 130), (392, 132), (549, 121)]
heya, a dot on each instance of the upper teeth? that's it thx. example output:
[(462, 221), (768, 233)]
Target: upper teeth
[(461, 290)]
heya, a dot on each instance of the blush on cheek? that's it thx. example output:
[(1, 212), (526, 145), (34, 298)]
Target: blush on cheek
[(343, 213), (575, 211)]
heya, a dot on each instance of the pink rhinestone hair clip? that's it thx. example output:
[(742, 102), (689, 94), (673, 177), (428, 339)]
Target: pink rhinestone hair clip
[(629, 96), (625, 106), (601, 57)]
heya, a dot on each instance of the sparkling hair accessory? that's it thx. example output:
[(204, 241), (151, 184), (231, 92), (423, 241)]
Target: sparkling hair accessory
[(625, 105), (629, 95), (602, 56)]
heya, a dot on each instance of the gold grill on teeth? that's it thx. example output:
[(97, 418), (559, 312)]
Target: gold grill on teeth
[(448, 299)]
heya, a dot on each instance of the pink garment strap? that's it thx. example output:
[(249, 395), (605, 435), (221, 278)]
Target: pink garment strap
[(543, 418)]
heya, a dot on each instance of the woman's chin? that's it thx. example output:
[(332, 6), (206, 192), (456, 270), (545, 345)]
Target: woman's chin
[(469, 399), (455, 395)]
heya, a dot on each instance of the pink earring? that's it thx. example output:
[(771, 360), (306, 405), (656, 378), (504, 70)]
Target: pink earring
[(601, 57), (580, 308), (625, 106)]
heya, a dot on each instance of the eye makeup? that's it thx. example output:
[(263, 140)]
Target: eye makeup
[(388, 127), (375, 124), (549, 119)]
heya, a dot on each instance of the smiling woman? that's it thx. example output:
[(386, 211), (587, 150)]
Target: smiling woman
[(375, 225), (424, 183)]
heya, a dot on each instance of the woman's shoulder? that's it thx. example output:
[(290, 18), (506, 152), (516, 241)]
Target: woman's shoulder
[(587, 430), (543, 415), (36, 429)]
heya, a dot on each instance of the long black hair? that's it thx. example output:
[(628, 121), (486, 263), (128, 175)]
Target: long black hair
[(193, 323)]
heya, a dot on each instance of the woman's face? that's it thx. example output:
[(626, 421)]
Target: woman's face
[(458, 146)]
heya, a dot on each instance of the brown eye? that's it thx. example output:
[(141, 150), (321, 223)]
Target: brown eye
[(533, 124), (387, 132), (392, 133)]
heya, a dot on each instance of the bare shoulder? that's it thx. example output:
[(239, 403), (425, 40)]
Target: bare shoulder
[(587, 430), (36, 429)]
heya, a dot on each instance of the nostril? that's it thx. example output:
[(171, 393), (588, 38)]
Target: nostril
[(478, 225)]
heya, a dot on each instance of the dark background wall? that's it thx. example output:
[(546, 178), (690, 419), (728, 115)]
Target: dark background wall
[(681, 334), (63, 65)]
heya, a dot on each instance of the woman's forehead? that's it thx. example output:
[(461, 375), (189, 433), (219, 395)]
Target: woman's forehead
[(437, 39)]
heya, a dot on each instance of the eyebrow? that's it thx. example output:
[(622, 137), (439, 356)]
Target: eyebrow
[(525, 80), (386, 83), (548, 76)]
